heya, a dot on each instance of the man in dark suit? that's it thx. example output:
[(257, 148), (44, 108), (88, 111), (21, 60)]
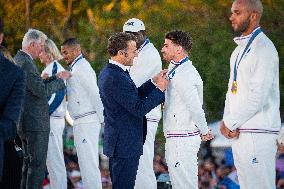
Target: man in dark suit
[(12, 85), (124, 108), (34, 126)]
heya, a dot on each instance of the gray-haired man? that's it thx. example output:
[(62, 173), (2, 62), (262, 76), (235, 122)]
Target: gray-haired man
[(34, 127)]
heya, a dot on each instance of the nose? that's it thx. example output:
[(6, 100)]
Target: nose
[(231, 17)]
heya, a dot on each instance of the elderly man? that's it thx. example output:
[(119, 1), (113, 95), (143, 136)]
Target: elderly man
[(251, 116), (35, 126)]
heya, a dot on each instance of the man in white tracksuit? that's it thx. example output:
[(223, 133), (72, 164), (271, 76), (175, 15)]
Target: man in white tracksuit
[(145, 66), (57, 108), (251, 114), (85, 107), (184, 119)]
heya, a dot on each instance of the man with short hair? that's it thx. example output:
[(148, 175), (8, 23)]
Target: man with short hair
[(251, 115), (145, 66), (184, 119), (34, 126), (125, 105), (86, 109)]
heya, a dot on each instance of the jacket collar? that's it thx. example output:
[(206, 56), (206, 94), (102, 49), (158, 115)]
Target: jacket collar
[(243, 40)]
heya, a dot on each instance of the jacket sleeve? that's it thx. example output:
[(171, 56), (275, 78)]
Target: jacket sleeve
[(126, 94), (262, 77), (189, 93), (88, 79), (12, 110), (227, 100), (54, 86)]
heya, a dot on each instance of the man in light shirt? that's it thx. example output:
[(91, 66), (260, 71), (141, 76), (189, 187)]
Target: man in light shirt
[(86, 109), (184, 119), (251, 116)]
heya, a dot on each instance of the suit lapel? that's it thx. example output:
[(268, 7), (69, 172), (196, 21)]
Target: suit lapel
[(113, 66)]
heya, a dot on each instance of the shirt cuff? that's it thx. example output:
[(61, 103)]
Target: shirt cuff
[(230, 123)]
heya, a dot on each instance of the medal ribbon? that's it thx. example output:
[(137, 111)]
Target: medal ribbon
[(237, 63), (171, 73)]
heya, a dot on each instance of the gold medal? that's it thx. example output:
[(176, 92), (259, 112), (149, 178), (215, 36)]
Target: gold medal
[(234, 88)]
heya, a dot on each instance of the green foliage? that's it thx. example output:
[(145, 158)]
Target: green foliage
[(93, 21)]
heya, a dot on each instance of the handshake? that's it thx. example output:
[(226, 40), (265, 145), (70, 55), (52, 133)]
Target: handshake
[(161, 80)]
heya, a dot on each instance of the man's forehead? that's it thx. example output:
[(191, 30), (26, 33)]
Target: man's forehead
[(238, 5)]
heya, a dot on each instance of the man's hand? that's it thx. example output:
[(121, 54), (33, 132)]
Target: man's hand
[(64, 75), (44, 76), (208, 136), (280, 147), (161, 81), (160, 75), (227, 132)]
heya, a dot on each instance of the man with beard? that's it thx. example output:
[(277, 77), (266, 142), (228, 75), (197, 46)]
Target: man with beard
[(183, 118), (251, 116)]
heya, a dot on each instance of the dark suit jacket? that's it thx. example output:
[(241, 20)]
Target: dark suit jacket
[(12, 91), (124, 108), (35, 115)]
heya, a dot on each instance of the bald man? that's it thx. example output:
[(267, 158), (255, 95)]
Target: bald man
[(251, 116)]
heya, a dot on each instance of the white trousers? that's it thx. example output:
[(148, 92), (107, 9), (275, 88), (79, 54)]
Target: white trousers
[(86, 139), (145, 177), (55, 159), (181, 158), (254, 157)]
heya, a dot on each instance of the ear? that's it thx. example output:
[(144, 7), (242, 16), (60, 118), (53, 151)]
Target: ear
[(179, 49), (254, 16), (120, 52)]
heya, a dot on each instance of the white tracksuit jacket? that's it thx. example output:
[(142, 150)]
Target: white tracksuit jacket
[(184, 121), (254, 110), (86, 108)]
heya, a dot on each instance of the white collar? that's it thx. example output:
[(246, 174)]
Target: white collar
[(243, 40), (118, 64), (76, 59), (27, 54), (51, 63)]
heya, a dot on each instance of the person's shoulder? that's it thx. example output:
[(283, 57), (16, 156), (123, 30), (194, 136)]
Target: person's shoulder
[(264, 44), (151, 49)]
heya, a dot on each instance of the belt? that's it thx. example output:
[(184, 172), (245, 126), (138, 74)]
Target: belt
[(83, 115), (179, 134), (259, 131)]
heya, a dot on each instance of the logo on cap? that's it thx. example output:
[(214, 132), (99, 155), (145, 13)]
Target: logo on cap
[(130, 24)]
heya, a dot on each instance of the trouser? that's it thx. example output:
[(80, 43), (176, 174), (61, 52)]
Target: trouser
[(123, 172), (181, 158), (13, 164), (35, 144), (145, 177), (55, 158), (254, 157), (86, 139)]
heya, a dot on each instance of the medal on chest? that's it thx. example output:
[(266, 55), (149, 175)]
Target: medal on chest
[(234, 88)]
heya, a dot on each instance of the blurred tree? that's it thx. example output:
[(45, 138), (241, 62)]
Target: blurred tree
[(93, 21)]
